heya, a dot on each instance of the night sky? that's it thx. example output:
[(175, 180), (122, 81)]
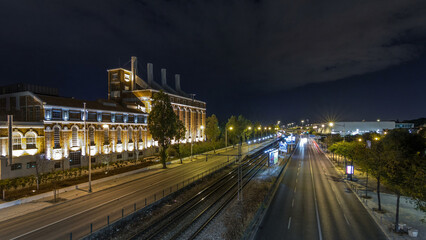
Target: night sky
[(266, 59)]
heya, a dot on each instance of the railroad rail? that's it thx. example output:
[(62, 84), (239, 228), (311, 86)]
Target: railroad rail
[(212, 198)]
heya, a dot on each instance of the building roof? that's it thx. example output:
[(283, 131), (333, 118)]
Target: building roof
[(107, 105)]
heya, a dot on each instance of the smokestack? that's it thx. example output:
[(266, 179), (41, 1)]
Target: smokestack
[(134, 69), (163, 77), (150, 73), (177, 82)]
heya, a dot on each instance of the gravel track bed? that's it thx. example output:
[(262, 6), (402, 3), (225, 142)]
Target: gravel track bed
[(218, 228)]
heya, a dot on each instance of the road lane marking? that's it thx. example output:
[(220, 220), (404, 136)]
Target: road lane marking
[(316, 204), (292, 203), (296, 180), (75, 214), (346, 219), (335, 194), (289, 223), (294, 189)]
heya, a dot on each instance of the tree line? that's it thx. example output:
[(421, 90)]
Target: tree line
[(165, 126), (396, 159)]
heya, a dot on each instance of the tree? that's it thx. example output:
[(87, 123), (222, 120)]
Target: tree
[(162, 123), (212, 130), (232, 134), (405, 165), (180, 134)]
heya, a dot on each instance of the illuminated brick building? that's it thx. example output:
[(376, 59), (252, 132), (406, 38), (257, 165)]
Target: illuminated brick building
[(48, 130), (126, 86)]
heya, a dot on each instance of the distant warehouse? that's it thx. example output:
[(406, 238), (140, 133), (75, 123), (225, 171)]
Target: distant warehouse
[(354, 128)]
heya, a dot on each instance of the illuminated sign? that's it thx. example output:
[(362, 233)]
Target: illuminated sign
[(273, 157), (349, 169)]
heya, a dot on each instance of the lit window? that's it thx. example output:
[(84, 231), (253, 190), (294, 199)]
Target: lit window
[(118, 135), (92, 136), (130, 133), (106, 136), (16, 141), (56, 137), (31, 140), (74, 137)]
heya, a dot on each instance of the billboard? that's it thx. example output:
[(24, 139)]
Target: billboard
[(283, 146), (349, 169), (273, 157)]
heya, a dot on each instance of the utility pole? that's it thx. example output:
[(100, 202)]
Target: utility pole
[(192, 140), (10, 139), (240, 174), (87, 149)]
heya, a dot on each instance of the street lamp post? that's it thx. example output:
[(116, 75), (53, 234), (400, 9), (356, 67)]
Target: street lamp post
[(192, 140), (248, 145), (226, 135), (87, 149), (259, 129), (265, 131)]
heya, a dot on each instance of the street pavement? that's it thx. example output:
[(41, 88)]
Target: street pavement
[(75, 216), (313, 202)]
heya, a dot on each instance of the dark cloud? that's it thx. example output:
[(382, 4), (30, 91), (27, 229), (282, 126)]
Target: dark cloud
[(229, 47)]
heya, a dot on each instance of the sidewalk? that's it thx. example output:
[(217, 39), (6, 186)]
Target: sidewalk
[(37, 202), (407, 213)]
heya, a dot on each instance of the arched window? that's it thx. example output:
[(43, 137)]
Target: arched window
[(106, 136), (56, 137), (140, 134), (130, 135), (92, 136), (118, 135), (74, 136), (31, 140), (16, 141)]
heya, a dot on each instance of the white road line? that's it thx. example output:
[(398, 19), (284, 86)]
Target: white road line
[(335, 194), (294, 189), (289, 223), (316, 204), (296, 180), (292, 203), (346, 219), (63, 219)]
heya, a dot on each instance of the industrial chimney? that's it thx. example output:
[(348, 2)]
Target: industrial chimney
[(134, 71), (177, 82), (163, 77), (150, 73)]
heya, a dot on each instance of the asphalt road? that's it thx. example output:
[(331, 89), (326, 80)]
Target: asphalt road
[(57, 221), (312, 202)]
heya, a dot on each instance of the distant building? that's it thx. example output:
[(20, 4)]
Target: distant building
[(48, 130), (354, 128), (404, 125)]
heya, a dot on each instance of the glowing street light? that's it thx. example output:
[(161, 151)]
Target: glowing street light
[(226, 135)]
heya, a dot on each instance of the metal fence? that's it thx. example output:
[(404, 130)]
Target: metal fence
[(128, 210)]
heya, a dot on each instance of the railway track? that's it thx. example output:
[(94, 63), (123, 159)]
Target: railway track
[(191, 217)]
